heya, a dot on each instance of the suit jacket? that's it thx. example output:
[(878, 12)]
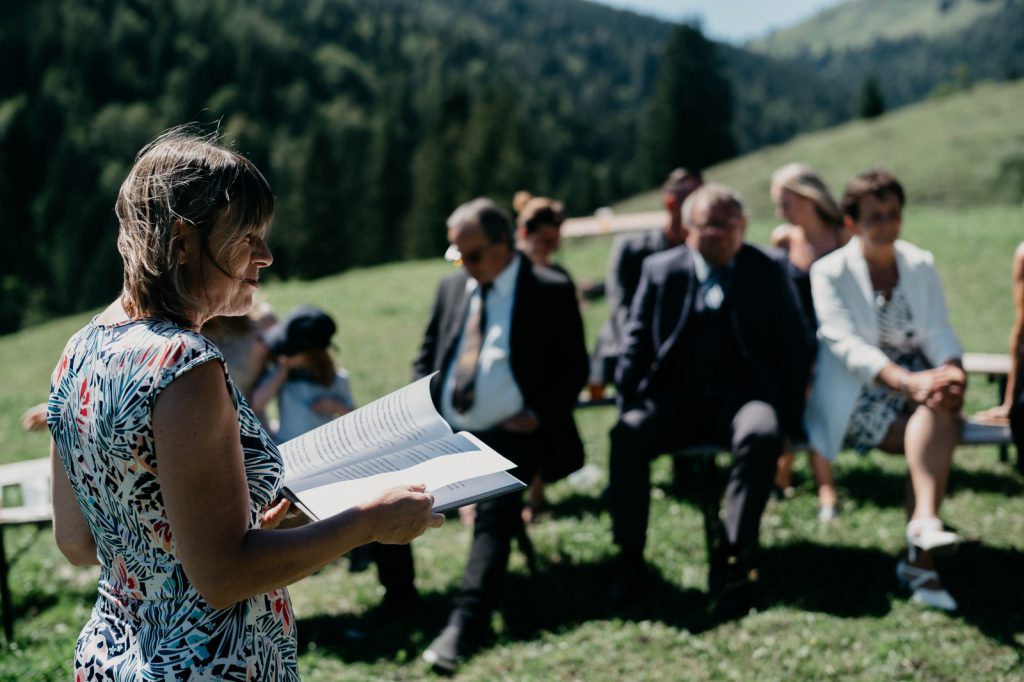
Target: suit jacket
[(623, 277), (848, 355), (770, 331), (548, 354)]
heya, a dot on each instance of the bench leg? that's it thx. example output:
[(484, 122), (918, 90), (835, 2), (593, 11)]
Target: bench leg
[(5, 593)]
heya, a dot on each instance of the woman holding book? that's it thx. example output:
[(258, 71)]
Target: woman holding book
[(162, 473)]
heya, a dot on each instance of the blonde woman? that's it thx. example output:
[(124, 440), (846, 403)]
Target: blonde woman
[(814, 228)]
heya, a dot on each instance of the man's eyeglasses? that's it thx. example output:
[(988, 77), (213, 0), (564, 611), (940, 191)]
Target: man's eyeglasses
[(453, 255), (725, 225)]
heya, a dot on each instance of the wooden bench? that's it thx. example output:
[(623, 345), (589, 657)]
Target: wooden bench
[(25, 486), (706, 472)]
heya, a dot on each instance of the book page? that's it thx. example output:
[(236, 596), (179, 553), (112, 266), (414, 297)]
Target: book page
[(437, 465), (397, 420), (462, 493)]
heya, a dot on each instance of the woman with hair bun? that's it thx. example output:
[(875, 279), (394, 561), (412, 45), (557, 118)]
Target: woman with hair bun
[(538, 228), (814, 228), (538, 233)]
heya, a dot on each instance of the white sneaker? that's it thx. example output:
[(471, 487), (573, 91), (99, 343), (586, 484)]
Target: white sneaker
[(826, 513), (912, 578), (928, 534)]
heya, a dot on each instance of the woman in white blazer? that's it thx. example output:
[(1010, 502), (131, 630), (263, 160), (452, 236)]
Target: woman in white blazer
[(888, 373)]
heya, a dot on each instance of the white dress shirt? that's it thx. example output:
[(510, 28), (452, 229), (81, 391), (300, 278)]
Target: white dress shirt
[(497, 395)]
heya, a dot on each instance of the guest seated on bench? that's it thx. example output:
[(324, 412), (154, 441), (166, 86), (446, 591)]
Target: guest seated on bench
[(888, 373), (814, 228), (715, 351), (1013, 402)]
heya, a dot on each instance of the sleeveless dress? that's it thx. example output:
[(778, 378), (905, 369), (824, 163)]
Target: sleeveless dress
[(149, 622)]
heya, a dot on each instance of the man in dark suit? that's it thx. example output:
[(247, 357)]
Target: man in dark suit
[(715, 351), (627, 256), (507, 339)]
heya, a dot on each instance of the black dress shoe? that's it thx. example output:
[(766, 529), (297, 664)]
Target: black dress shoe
[(732, 586), (455, 643)]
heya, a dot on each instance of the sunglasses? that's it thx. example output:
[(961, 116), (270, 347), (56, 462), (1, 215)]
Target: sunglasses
[(453, 255)]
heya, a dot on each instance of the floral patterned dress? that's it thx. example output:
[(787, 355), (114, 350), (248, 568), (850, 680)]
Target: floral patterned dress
[(878, 406), (149, 622)]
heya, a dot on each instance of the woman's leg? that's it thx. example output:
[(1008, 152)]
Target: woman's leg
[(927, 437), (822, 470), (784, 470), (929, 441)]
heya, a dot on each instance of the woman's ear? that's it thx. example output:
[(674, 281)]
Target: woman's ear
[(851, 225), (183, 245)]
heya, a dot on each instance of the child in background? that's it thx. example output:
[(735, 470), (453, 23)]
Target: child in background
[(310, 389)]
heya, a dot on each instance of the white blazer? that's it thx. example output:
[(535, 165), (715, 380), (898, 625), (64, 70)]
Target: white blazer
[(848, 353)]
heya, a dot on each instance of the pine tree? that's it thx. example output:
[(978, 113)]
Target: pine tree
[(872, 104), (690, 118)]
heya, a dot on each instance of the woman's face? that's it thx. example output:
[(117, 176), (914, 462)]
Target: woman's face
[(793, 208), (544, 241), (226, 275), (880, 220)]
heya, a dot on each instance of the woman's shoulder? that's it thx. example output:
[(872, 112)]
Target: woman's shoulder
[(163, 345), (913, 254)]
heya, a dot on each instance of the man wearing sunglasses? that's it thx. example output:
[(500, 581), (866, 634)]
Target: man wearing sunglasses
[(715, 351), (507, 338)]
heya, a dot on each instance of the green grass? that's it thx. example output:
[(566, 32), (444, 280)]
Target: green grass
[(829, 604)]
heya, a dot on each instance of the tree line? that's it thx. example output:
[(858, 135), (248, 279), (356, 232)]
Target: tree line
[(370, 119)]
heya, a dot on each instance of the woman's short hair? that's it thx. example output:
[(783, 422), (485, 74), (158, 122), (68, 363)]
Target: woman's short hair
[(182, 177), (533, 213), (801, 179), (876, 182)]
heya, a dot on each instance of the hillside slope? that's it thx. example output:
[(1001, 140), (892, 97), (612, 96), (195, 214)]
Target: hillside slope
[(963, 150), (858, 23)]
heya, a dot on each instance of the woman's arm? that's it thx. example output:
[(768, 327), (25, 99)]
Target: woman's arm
[(202, 480), (70, 530), (1017, 332)]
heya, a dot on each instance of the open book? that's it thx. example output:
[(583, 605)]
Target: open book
[(399, 439)]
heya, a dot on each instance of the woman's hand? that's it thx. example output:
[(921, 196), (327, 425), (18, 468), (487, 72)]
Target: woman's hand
[(273, 515), (938, 388), (1000, 414), (403, 514)]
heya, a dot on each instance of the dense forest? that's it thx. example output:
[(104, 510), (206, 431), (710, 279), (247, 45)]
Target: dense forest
[(371, 119)]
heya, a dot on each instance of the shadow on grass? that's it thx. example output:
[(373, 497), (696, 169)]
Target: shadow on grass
[(886, 489), (986, 582), (399, 640), (846, 582)]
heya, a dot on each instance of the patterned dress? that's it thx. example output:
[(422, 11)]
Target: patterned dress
[(878, 406), (149, 622)]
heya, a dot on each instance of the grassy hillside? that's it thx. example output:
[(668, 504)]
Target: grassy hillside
[(858, 23), (954, 151)]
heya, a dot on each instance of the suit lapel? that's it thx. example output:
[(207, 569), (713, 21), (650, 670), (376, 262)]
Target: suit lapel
[(458, 304), (681, 278)]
